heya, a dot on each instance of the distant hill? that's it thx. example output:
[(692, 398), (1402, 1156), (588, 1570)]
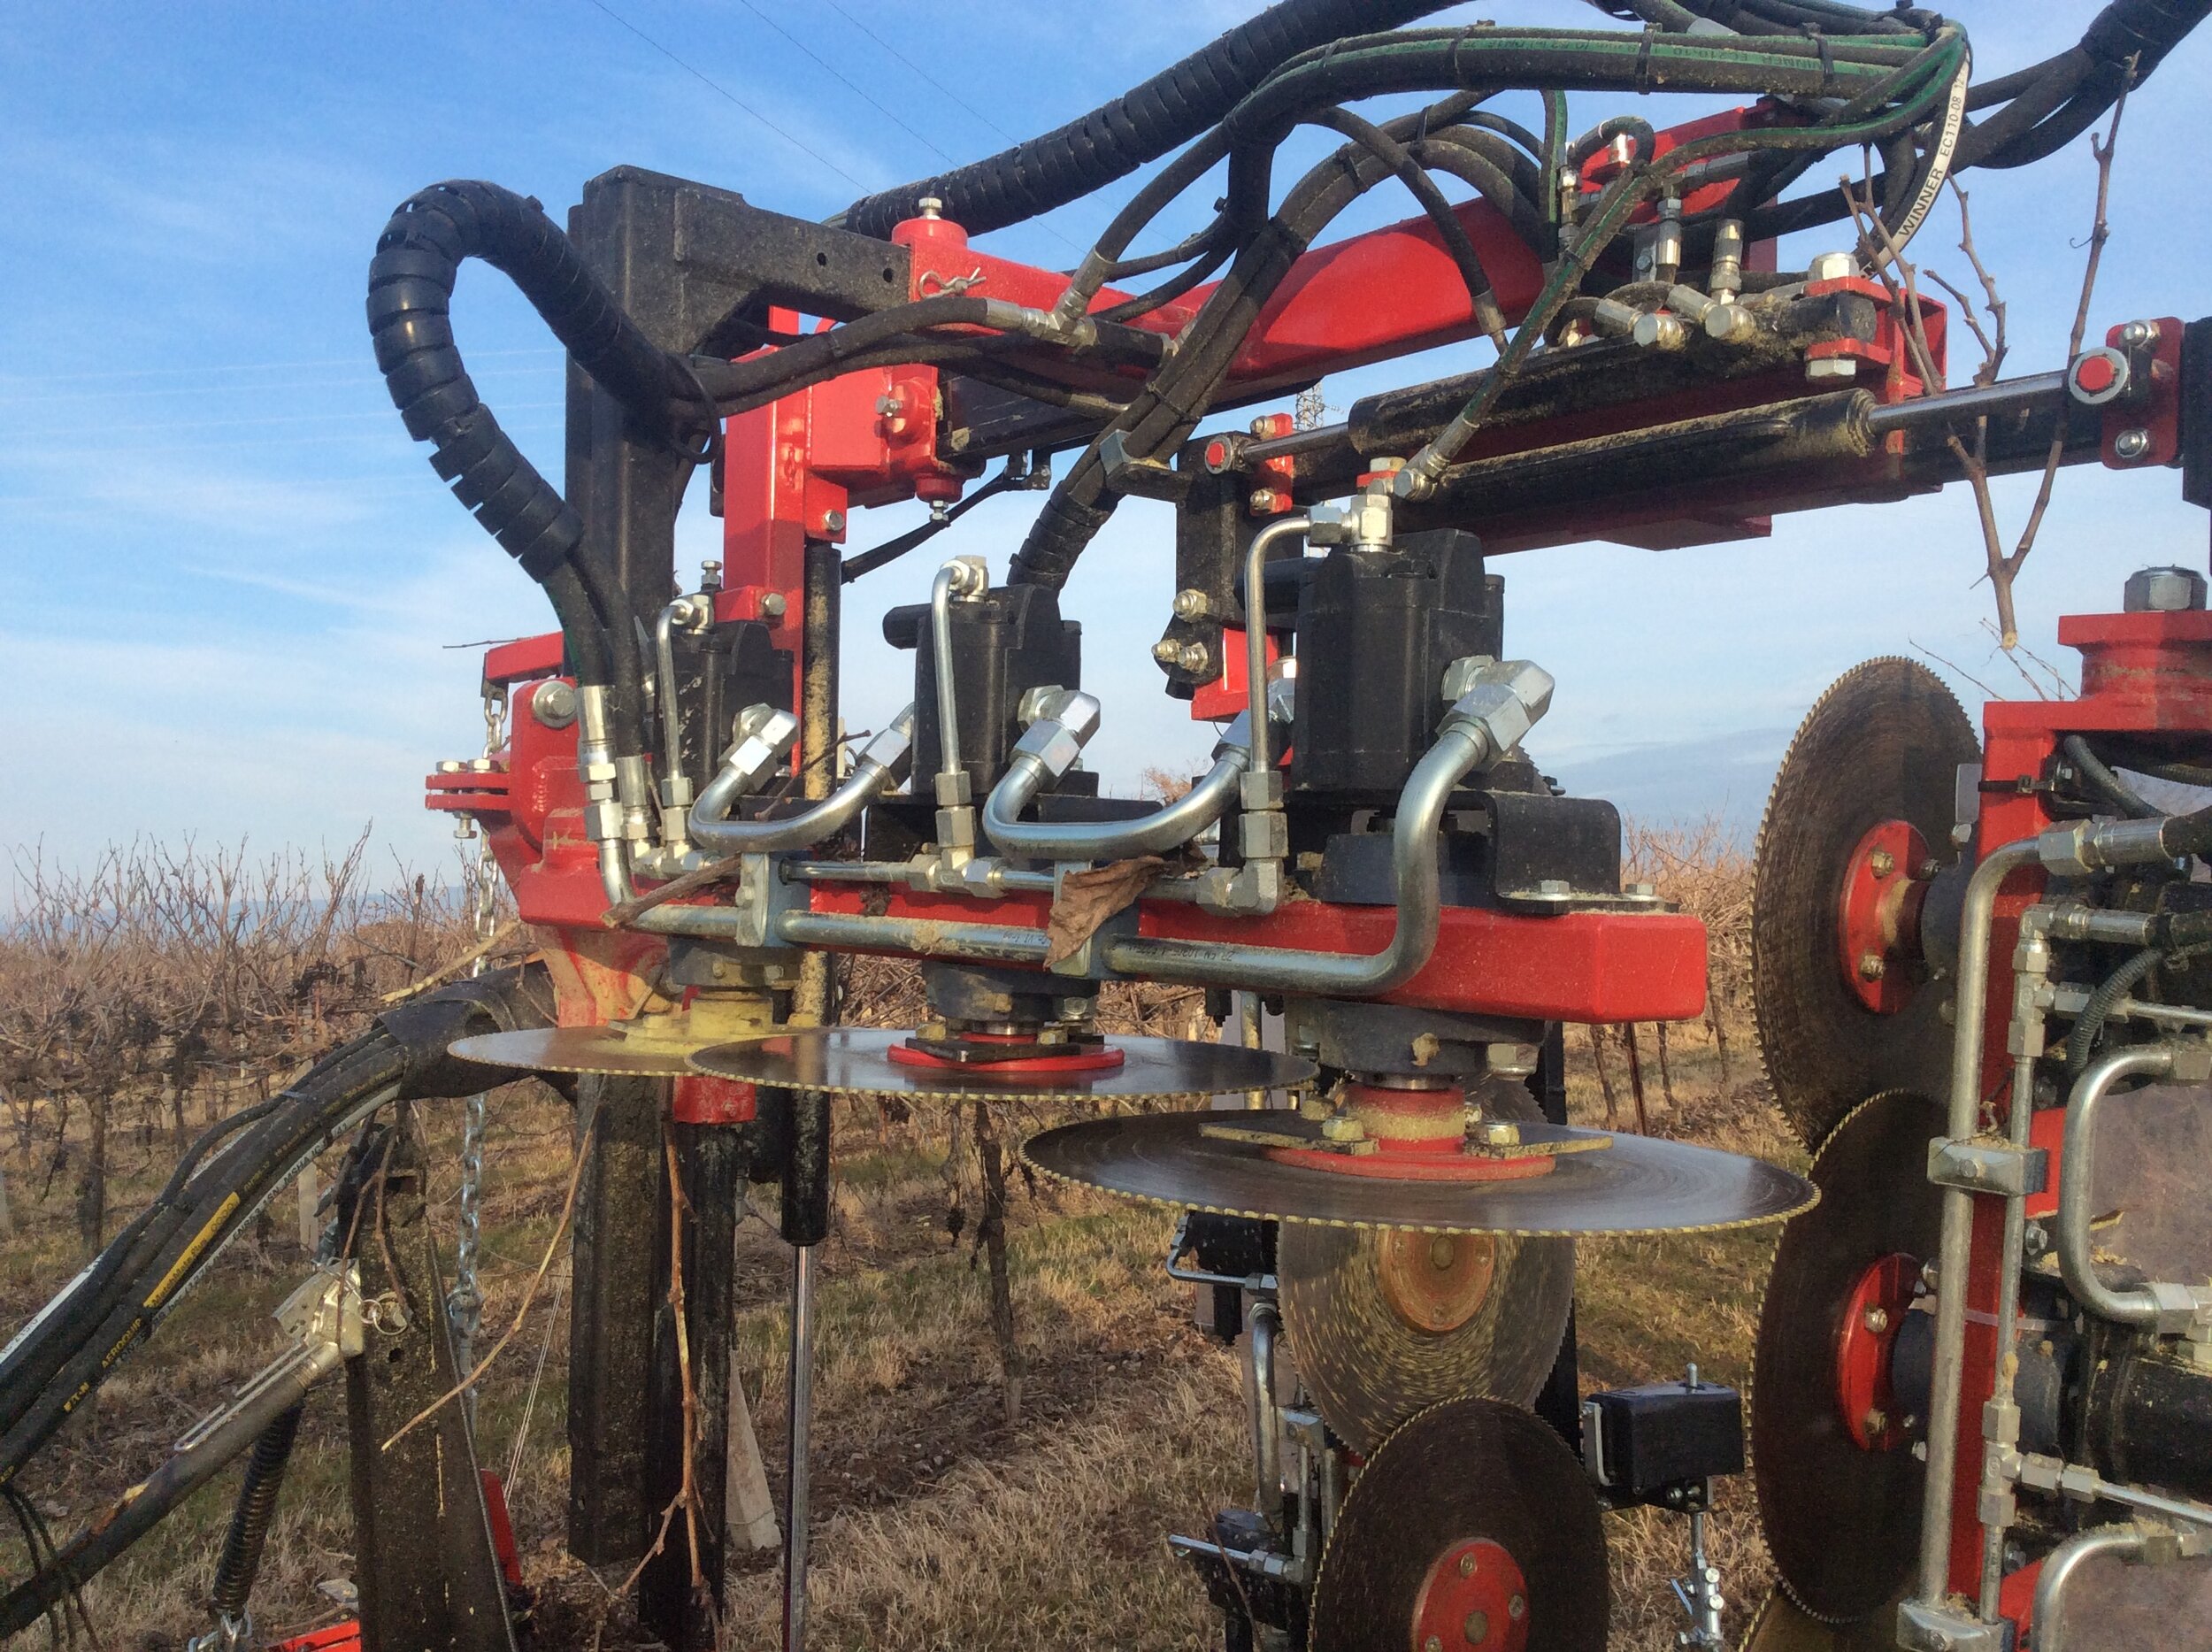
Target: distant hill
[(1724, 777)]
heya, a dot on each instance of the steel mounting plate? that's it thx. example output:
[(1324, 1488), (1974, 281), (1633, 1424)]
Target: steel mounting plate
[(857, 1061), (1883, 744), (1476, 1517), (1637, 1185), (1842, 1522)]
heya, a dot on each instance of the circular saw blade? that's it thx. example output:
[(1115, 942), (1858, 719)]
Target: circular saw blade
[(1384, 1323), (1635, 1185), (1473, 1518), (857, 1061), (1842, 1522), (577, 1050), (1883, 743)]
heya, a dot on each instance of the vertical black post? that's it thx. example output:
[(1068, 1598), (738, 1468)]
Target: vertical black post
[(620, 1234), (424, 1561), (1560, 1401)]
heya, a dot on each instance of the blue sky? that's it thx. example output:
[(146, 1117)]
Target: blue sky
[(230, 588)]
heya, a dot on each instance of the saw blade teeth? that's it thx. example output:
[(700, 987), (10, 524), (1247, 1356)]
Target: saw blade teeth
[(1842, 1525), (1637, 1185), (1884, 743)]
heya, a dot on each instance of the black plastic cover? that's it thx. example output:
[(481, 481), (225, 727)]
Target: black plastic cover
[(1003, 644), (1376, 630), (1665, 1434)]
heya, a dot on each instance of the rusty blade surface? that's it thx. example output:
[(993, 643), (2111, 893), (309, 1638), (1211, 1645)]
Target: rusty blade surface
[(1384, 1324), (1466, 1470), (576, 1050), (1843, 1524), (1637, 1185), (857, 1061), (1883, 743)]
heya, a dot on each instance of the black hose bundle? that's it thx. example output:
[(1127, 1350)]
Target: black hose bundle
[(73, 1346), (411, 291), (1139, 126)]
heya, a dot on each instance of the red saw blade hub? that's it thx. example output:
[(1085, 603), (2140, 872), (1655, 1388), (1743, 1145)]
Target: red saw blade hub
[(1866, 1336), (1473, 1599)]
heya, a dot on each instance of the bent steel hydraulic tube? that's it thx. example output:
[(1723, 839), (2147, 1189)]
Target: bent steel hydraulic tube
[(2061, 1565), (1167, 827), (882, 765), (2141, 1305), (1281, 528), (1470, 740)]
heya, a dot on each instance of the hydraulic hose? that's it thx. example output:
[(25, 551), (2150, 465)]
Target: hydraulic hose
[(1141, 126), (1178, 396), (411, 291), (80, 1339)]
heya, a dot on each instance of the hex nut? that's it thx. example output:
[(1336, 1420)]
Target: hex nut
[(1831, 367), (1832, 266), (2163, 591)]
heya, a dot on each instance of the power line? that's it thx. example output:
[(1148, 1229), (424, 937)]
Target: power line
[(732, 97), (997, 130), (858, 91), (8, 380)]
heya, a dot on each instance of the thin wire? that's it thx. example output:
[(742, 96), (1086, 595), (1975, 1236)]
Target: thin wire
[(997, 130), (858, 91), (725, 92)]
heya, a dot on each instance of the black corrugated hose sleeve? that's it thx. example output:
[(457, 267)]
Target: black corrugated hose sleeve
[(411, 291), (253, 1513), (1142, 125), (91, 1330)]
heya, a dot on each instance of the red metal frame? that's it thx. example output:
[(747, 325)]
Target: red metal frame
[(794, 470), (2144, 674)]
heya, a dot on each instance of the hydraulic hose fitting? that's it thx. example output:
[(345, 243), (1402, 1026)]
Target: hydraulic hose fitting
[(604, 816)]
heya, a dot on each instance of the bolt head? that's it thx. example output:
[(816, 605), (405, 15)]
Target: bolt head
[(2163, 591), (1881, 862), (1876, 1320), (1191, 604), (1434, 1643), (1264, 501), (2137, 334), (1829, 369), (1517, 1608), (1167, 651), (1876, 1421), (930, 206), (833, 521), (2131, 444), (1195, 658), (553, 704), (1467, 1564), (1832, 266), (774, 605), (1872, 966)]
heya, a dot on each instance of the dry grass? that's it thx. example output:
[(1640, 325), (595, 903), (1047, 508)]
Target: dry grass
[(940, 1525)]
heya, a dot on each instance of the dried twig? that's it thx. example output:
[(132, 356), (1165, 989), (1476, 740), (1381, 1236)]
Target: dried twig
[(529, 1296)]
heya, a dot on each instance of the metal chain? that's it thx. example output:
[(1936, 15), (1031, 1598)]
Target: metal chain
[(465, 1303)]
